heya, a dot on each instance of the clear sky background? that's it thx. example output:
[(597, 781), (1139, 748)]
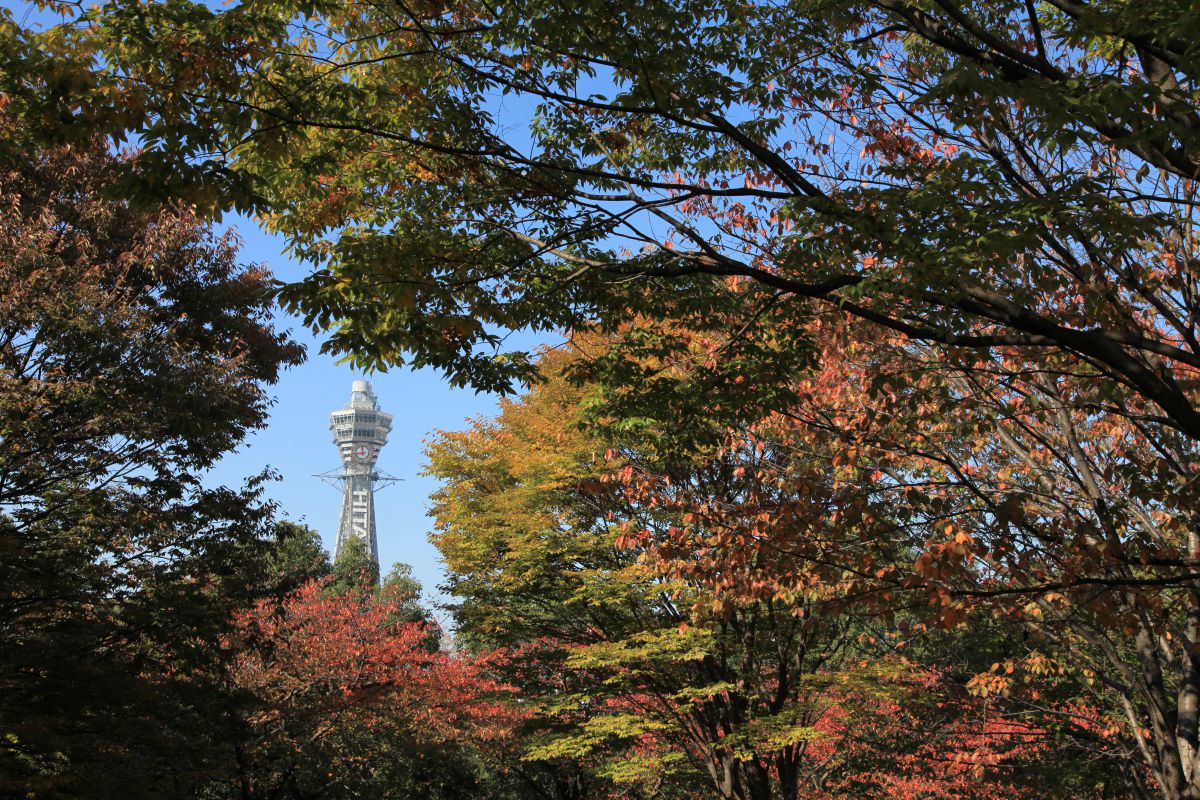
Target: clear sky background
[(297, 443)]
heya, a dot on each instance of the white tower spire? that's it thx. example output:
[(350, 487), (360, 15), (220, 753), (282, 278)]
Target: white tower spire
[(359, 429)]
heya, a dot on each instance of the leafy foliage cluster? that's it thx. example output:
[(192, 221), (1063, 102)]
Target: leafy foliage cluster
[(870, 469), (158, 637), (680, 656), (134, 351)]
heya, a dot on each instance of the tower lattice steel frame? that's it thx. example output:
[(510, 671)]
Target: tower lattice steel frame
[(359, 430)]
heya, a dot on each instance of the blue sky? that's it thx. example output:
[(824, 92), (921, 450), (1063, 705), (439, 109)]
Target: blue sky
[(297, 444)]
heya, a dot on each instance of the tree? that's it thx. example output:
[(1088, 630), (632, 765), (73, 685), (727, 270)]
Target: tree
[(669, 665), (400, 584), (1004, 191), (982, 175), (349, 701), (356, 573), (134, 352), (962, 488), (297, 557), (354, 568)]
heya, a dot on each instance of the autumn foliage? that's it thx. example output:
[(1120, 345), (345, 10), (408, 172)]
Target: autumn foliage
[(135, 350), (868, 466), (712, 624), (345, 694)]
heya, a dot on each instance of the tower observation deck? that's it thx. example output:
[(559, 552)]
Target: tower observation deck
[(359, 429)]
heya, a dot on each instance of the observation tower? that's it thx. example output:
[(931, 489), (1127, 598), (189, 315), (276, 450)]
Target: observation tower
[(359, 429)]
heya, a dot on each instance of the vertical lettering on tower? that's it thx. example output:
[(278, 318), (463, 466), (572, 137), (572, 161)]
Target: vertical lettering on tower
[(359, 500)]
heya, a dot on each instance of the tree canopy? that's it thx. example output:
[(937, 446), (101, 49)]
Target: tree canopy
[(882, 319), (134, 351), (671, 665), (981, 176)]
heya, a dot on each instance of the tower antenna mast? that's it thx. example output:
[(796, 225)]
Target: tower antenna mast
[(359, 430)]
